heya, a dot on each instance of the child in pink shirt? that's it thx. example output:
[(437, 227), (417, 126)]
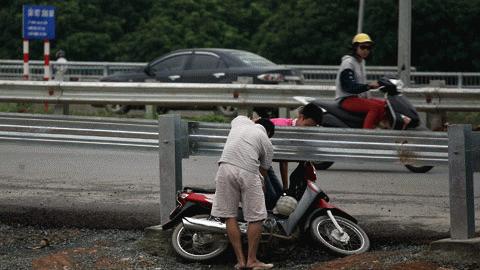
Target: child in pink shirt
[(308, 115)]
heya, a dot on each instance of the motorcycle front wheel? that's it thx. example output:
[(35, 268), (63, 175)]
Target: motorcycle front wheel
[(195, 245), (353, 241), (419, 169)]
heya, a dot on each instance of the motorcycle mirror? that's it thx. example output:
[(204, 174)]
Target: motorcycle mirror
[(398, 83), (304, 100)]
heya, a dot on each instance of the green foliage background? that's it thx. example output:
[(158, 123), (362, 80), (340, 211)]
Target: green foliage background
[(288, 31)]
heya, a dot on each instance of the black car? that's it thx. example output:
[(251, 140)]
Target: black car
[(209, 66)]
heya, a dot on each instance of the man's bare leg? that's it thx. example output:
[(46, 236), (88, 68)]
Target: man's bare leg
[(234, 235), (254, 233)]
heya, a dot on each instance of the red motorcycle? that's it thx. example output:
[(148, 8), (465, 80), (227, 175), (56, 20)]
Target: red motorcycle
[(197, 236)]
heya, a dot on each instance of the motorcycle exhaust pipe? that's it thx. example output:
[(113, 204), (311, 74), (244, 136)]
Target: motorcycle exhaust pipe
[(212, 226), (201, 224)]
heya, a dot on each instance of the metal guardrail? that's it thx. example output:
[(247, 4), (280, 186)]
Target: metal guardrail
[(210, 95), (332, 144), (313, 74), (290, 143), (77, 71), (71, 130)]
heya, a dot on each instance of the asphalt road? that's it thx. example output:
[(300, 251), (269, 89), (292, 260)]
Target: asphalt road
[(120, 188)]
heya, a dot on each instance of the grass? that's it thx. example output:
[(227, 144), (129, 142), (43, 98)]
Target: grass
[(209, 118), (472, 118), (464, 118), (38, 108)]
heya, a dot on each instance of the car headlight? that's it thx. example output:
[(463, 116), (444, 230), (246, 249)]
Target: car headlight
[(271, 77)]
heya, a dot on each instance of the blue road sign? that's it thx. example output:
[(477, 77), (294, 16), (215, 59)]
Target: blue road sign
[(38, 22)]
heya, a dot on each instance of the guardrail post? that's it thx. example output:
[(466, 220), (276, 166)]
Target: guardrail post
[(463, 160), (436, 120), (172, 137), (150, 111), (462, 208), (283, 112), (105, 70)]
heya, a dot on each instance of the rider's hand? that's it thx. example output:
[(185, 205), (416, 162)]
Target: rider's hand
[(373, 85)]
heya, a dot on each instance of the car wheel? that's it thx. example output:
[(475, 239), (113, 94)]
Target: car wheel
[(228, 110), (117, 108)]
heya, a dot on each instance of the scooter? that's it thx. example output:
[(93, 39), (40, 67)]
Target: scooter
[(197, 236), (397, 105)]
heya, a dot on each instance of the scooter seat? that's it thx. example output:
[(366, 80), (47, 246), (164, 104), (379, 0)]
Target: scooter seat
[(352, 119), (200, 190)]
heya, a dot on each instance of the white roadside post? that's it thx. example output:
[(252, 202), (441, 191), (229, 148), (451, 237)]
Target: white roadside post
[(463, 161), (173, 140)]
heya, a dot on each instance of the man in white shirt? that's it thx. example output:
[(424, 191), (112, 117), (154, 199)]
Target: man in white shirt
[(245, 159)]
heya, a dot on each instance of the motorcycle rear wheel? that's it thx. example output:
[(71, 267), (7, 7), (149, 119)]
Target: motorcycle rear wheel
[(324, 231), (419, 169), (197, 245)]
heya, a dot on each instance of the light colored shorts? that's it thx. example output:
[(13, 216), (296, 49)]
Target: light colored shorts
[(234, 185)]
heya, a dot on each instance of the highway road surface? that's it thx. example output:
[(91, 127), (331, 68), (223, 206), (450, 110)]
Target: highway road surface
[(85, 186)]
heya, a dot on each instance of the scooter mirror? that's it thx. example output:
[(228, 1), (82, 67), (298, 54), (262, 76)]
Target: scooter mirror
[(398, 83)]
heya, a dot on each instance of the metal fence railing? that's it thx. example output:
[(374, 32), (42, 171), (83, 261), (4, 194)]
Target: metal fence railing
[(172, 95), (333, 144), (290, 143), (313, 74)]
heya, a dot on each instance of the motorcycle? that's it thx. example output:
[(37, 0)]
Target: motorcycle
[(197, 236), (397, 107)]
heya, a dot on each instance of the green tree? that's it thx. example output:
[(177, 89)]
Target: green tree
[(444, 37), (289, 31), (187, 23)]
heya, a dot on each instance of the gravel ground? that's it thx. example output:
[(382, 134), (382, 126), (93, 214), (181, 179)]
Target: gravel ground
[(27, 247)]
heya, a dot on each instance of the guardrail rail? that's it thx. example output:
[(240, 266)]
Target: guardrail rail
[(313, 74)]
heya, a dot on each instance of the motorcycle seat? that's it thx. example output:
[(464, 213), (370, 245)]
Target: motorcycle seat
[(200, 190), (352, 119)]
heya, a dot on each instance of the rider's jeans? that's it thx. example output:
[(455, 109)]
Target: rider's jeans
[(273, 189)]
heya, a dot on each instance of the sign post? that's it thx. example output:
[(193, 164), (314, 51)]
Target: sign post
[(38, 23)]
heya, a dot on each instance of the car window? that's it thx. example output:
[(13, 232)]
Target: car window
[(252, 59), (206, 61), (174, 63)]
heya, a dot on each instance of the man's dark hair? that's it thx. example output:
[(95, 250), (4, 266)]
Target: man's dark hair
[(268, 125), (312, 111)]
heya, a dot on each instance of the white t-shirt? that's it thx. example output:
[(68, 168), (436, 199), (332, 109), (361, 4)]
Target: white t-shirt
[(247, 146), (60, 68)]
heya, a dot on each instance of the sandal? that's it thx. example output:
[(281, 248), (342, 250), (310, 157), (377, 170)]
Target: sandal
[(261, 265), (238, 267)]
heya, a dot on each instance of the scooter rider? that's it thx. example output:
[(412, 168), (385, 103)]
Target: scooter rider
[(351, 83)]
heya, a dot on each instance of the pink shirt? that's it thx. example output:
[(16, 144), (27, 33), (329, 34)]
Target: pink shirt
[(283, 122)]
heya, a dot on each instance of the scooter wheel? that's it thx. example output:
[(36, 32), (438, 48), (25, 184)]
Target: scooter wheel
[(322, 165), (419, 169), (353, 241), (194, 245)]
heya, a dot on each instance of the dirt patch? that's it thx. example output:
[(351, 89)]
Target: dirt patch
[(38, 248), (422, 259)]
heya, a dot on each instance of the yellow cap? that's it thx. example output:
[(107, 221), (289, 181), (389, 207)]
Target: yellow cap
[(361, 38)]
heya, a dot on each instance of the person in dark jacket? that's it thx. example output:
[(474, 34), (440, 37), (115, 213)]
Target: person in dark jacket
[(352, 87)]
